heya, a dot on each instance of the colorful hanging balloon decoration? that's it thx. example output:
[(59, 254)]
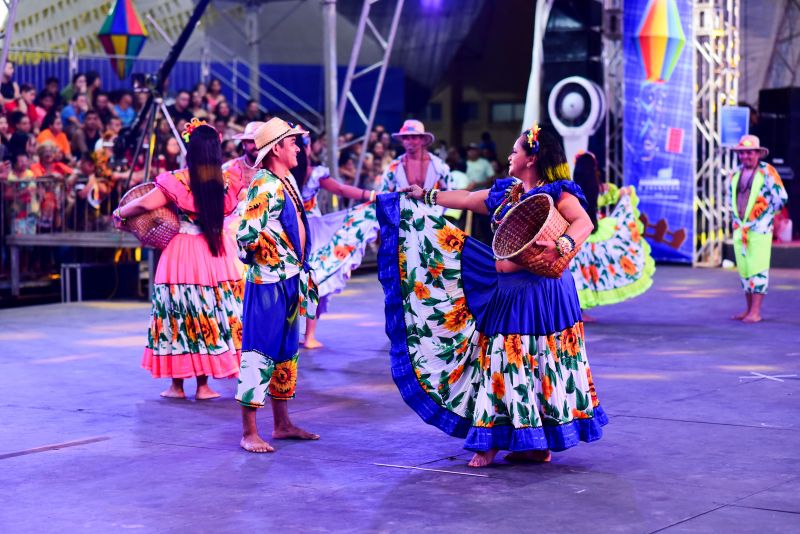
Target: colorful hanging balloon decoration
[(660, 40), (123, 34)]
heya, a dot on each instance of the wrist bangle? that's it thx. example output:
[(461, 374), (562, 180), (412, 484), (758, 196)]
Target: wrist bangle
[(372, 195), (434, 196), (362, 194)]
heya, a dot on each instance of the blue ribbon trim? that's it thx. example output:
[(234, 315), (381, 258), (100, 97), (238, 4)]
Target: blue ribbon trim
[(556, 438)]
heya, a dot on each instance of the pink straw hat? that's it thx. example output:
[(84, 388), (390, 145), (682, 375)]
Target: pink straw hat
[(413, 127), (751, 142)]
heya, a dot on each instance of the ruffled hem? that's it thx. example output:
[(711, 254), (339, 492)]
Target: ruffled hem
[(225, 365), (555, 438), (332, 274), (590, 298)]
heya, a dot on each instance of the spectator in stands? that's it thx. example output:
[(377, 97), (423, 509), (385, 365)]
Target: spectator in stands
[(102, 105), (180, 109), (24, 199), (479, 170), (170, 158), (347, 167), (223, 111), (93, 84), (252, 113), (45, 102), (113, 128), (74, 113), (214, 95), (201, 89), (229, 150), (19, 122), (25, 103), (488, 146), (85, 139), (53, 132), (9, 90), (5, 134), (198, 108), (442, 151), (124, 109), (78, 85), (382, 156), (48, 164), (51, 87)]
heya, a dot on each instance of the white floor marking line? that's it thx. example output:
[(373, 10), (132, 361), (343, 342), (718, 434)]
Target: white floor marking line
[(433, 470)]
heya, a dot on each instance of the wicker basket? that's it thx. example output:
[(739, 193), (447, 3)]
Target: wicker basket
[(534, 219), (154, 228)]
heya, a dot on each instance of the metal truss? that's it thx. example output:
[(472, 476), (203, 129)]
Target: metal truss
[(386, 44), (613, 85), (716, 57), (784, 64)]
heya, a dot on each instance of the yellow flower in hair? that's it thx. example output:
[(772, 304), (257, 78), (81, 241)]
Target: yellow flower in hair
[(533, 134)]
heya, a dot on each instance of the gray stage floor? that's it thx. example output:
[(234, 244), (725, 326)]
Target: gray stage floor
[(703, 436)]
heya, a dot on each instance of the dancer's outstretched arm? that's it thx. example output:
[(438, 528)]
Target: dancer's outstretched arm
[(460, 200), (347, 191)]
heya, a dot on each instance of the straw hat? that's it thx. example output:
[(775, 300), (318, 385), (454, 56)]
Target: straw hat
[(269, 133), (413, 127), (751, 142), (249, 133)]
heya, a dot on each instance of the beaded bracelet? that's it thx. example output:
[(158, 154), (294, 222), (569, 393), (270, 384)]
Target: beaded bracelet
[(117, 217), (426, 196), (564, 245)]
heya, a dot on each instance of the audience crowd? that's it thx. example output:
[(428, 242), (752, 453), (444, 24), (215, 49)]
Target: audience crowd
[(60, 169)]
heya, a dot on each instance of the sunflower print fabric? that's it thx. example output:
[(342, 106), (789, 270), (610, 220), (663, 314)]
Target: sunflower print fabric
[(614, 264), (506, 390)]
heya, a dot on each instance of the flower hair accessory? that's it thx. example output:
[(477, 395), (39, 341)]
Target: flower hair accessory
[(191, 126), (533, 138)]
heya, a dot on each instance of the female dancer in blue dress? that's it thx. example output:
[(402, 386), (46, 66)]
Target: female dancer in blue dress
[(484, 349)]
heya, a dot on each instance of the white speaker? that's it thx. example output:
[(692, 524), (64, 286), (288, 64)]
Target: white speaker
[(577, 107)]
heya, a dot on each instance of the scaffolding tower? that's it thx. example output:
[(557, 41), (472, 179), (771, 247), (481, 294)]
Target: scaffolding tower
[(716, 51)]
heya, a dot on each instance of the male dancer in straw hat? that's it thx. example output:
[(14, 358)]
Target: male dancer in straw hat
[(242, 169), (757, 193), (417, 166), (244, 166), (273, 241)]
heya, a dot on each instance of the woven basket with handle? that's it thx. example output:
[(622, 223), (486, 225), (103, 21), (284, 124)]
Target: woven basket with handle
[(534, 219), (154, 228)]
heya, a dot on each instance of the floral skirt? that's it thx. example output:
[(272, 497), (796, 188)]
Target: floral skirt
[(615, 262), (496, 358), (195, 324), (338, 242)]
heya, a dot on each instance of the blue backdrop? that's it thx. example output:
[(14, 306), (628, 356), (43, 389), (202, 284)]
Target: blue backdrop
[(659, 134)]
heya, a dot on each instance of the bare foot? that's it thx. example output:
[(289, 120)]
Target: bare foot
[(293, 432), (173, 392), (254, 443), (588, 318), (312, 344), (528, 457), (206, 393), (751, 318), (739, 316), (483, 459)]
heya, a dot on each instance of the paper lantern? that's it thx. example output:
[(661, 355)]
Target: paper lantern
[(123, 34), (660, 40)]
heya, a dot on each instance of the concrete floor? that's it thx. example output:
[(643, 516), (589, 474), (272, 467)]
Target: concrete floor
[(88, 446)]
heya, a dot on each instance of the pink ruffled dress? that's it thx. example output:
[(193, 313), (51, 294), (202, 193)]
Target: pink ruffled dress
[(195, 326)]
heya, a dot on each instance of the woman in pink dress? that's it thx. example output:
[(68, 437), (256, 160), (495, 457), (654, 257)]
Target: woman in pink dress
[(195, 327)]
